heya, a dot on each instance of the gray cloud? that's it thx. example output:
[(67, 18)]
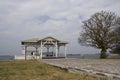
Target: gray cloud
[(23, 19)]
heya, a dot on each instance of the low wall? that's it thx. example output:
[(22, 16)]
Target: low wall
[(22, 57)]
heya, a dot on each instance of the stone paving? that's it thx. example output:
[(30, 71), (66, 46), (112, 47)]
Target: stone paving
[(109, 67)]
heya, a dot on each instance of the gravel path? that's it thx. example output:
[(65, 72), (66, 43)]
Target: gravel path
[(109, 66)]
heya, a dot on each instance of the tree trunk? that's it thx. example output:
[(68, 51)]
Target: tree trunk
[(103, 50), (103, 54)]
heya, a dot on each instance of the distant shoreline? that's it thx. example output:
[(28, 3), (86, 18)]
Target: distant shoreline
[(80, 56), (6, 57)]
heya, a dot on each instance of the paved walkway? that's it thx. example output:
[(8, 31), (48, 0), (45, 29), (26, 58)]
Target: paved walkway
[(109, 67)]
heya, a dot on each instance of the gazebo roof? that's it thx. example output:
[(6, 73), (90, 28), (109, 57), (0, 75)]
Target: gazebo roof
[(31, 40), (38, 40)]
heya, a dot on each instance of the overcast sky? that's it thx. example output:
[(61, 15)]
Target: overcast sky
[(25, 19)]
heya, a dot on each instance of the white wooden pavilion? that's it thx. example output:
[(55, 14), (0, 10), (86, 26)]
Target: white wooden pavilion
[(47, 43)]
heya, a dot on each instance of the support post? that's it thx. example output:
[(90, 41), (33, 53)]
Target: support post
[(25, 52), (41, 50), (56, 49), (52, 50), (47, 49), (65, 50), (36, 51)]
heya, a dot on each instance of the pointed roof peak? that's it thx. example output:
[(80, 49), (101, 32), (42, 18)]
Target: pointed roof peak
[(50, 37)]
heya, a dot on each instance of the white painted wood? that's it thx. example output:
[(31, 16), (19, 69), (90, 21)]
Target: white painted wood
[(56, 49), (25, 52), (41, 50), (65, 50), (40, 43)]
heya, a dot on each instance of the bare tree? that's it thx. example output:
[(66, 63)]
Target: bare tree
[(116, 45), (98, 31)]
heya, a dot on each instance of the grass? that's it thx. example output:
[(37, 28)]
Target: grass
[(114, 57), (36, 70)]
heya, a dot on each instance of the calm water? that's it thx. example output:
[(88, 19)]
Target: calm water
[(9, 57), (6, 57)]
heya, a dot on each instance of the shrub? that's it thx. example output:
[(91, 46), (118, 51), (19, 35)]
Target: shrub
[(103, 55)]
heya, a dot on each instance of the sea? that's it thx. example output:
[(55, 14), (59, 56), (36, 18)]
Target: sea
[(81, 56), (6, 57)]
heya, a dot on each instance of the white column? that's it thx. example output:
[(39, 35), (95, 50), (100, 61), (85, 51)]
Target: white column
[(56, 50), (41, 50), (47, 50), (25, 52), (65, 50), (36, 51), (53, 51)]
